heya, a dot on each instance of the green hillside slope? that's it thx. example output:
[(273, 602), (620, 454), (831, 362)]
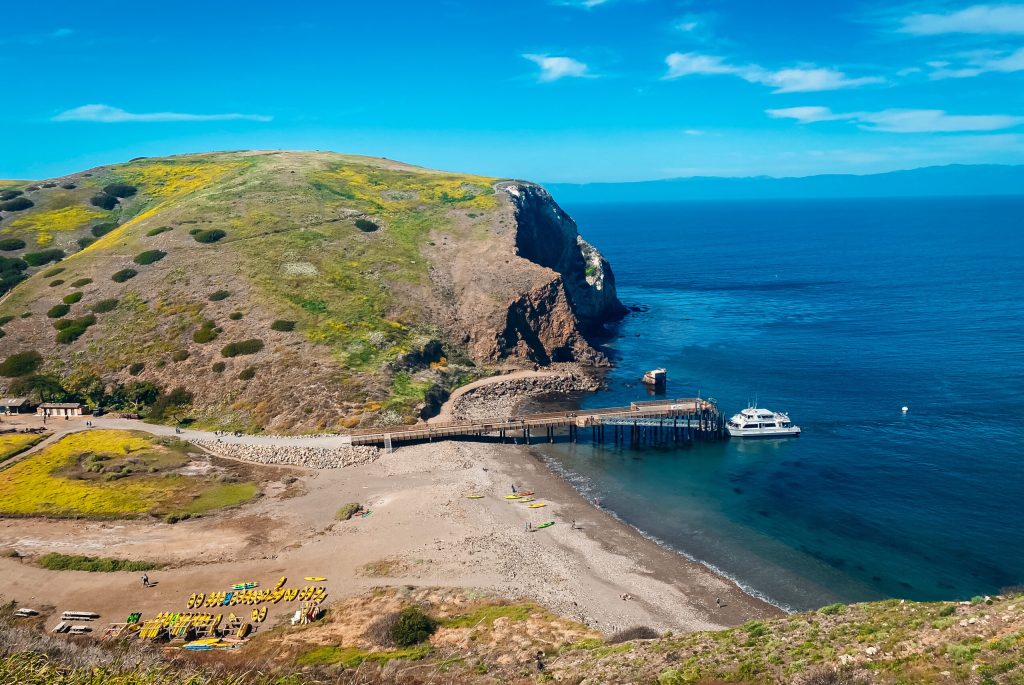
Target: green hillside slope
[(285, 290)]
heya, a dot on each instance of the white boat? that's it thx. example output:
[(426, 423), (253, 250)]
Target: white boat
[(761, 423)]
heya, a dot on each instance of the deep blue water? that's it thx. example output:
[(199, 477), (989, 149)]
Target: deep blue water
[(839, 312)]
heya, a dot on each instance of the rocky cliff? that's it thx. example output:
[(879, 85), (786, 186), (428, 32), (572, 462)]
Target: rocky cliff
[(290, 291)]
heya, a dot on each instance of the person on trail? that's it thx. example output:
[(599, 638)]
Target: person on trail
[(513, 488), (145, 580), (718, 602)]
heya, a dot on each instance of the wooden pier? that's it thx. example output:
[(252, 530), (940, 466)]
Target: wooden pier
[(658, 422)]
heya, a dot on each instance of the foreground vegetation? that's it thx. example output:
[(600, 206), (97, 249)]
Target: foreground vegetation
[(453, 636), (55, 561), (13, 444), (112, 474)]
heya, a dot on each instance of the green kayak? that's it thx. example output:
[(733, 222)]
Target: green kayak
[(545, 525)]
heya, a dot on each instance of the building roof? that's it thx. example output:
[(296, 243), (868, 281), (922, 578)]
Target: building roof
[(13, 402), (60, 405)]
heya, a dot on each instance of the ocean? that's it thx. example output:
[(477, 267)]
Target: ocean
[(839, 312)]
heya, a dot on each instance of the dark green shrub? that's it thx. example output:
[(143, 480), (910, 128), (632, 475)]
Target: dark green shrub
[(178, 397), (247, 374), (85, 242), (16, 205), (26, 315), (235, 316), (149, 257), (80, 282), (61, 324), (833, 609), (282, 326), (193, 231), (100, 230), (210, 236), (11, 272), (49, 185), (179, 356), (68, 186), (136, 368), (58, 310), (413, 627), (72, 298), (206, 333), (104, 306), (242, 347), (124, 275), (220, 295), (120, 190), (346, 511), (366, 226), (157, 231), (55, 561), (55, 271), (218, 367), (29, 189), (43, 257), (103, 201), (635, 633), (20, 364), (948, 610), (11, 244), (6, 319), (59, 281), (75, 330), (6, 195)]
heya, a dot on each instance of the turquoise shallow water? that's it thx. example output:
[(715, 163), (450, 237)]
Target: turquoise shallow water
[(838, 312)]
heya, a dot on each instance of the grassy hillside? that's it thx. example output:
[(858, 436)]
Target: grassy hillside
[(294, 290), (479, 639)]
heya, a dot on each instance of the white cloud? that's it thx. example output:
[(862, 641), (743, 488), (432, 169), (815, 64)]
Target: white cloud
[(694, 132), (113, 115), (554, 68), (981, 64), (687, 26), (804, 115), (790, 80), (983, 19), (903, 120)]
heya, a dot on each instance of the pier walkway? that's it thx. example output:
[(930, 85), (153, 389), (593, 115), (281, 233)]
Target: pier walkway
[(654, 422)]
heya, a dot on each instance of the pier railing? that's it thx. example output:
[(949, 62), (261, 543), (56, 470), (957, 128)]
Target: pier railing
[(676, 420)]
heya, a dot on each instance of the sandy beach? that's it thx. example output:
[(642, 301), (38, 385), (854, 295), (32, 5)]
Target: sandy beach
[(422, 531)]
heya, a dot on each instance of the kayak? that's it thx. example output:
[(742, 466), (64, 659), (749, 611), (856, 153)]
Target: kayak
[(474, 496), (315, 578), (538, 506), (545, 525), (512, 496)]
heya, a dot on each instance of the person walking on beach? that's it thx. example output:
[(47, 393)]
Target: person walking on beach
[(718, 602), (513, 488), (145, 580)]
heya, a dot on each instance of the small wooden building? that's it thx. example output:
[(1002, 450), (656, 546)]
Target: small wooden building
[(16, 405), (61, 409)]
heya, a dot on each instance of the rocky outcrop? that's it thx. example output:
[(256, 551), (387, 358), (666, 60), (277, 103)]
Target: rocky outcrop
[(537, 291), (547, 236)]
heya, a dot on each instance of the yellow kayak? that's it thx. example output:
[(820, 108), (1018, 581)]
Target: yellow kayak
[(537, 506), (315, 578), (474, 496), (513, 496)]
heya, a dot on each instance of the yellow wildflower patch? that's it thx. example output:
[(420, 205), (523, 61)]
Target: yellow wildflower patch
[(387, 191), (169, 179), (15, 443), (42, 484), (48, 222)]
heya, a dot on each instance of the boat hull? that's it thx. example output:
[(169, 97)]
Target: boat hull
[(793, 432)]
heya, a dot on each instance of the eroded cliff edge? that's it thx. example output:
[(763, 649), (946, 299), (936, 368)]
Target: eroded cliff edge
[(537, 292)]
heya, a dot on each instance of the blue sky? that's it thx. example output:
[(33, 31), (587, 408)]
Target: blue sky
[(548, 90)]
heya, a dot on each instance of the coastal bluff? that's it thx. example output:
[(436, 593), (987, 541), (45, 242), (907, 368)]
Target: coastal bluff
[(289, 291)]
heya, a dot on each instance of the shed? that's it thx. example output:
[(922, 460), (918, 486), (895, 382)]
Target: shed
[(61, 409), (16, 405)]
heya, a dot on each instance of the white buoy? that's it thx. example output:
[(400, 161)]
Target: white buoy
[(905, 409)]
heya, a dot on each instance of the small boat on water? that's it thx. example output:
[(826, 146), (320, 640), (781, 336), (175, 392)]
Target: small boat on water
[(761, 423), (656, 378)]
